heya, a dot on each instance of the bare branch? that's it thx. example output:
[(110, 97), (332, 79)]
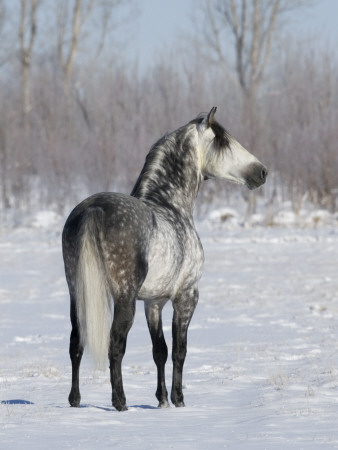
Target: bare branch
[(75, 20), (27, 50), (253, 24), (68, 69), (269, 35)]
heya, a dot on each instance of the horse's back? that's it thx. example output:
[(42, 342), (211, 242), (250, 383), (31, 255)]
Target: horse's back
[(122, 214)]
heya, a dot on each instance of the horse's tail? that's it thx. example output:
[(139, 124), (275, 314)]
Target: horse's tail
[(93, 295)]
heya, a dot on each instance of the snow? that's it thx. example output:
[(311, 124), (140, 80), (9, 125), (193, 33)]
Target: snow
[(262, 364)]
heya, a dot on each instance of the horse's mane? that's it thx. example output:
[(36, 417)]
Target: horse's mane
[(166, 166)]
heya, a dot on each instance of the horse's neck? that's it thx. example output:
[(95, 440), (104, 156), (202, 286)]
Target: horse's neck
[(170, 176)]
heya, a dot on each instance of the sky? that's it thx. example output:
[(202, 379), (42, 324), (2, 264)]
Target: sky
[(160, 22)]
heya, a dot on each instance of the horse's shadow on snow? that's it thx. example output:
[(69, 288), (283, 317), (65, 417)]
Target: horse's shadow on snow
[(111, 408), (102, 408), (144, 407), (16, 402)]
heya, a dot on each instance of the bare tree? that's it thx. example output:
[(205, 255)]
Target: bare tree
[(27, 35), (3, 17), (78, 20), (253, 25)]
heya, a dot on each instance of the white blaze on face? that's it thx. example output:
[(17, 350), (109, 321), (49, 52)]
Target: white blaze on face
[(236, 162)]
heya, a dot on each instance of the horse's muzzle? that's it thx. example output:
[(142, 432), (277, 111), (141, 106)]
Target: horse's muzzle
[(255, 175)]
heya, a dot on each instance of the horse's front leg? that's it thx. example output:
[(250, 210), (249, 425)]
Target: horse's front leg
[(153, 313), (184, 306), (124, 311)]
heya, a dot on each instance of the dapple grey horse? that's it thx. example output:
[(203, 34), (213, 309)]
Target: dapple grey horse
[(119, 248)]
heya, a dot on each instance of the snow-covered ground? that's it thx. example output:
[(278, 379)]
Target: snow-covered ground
[(262, 364)]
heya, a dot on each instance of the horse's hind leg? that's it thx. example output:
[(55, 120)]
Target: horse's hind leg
[(75, 352), (160, 349), (184, 306), (124, 311)]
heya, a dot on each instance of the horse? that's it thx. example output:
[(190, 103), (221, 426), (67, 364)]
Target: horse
[(118, 248)]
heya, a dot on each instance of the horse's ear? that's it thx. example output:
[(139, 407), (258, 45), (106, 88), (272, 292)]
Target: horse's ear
[(210, 117)]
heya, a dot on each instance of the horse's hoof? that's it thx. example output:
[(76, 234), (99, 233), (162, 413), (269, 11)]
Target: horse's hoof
[(180, 405), (74, 400), (177, 400), (121, 408), (119, 402), (164, 404)]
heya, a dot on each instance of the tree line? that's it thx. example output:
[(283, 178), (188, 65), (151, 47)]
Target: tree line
[(76, 117)]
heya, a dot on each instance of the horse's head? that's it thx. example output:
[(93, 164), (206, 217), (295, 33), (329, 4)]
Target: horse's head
[(221, 156)]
